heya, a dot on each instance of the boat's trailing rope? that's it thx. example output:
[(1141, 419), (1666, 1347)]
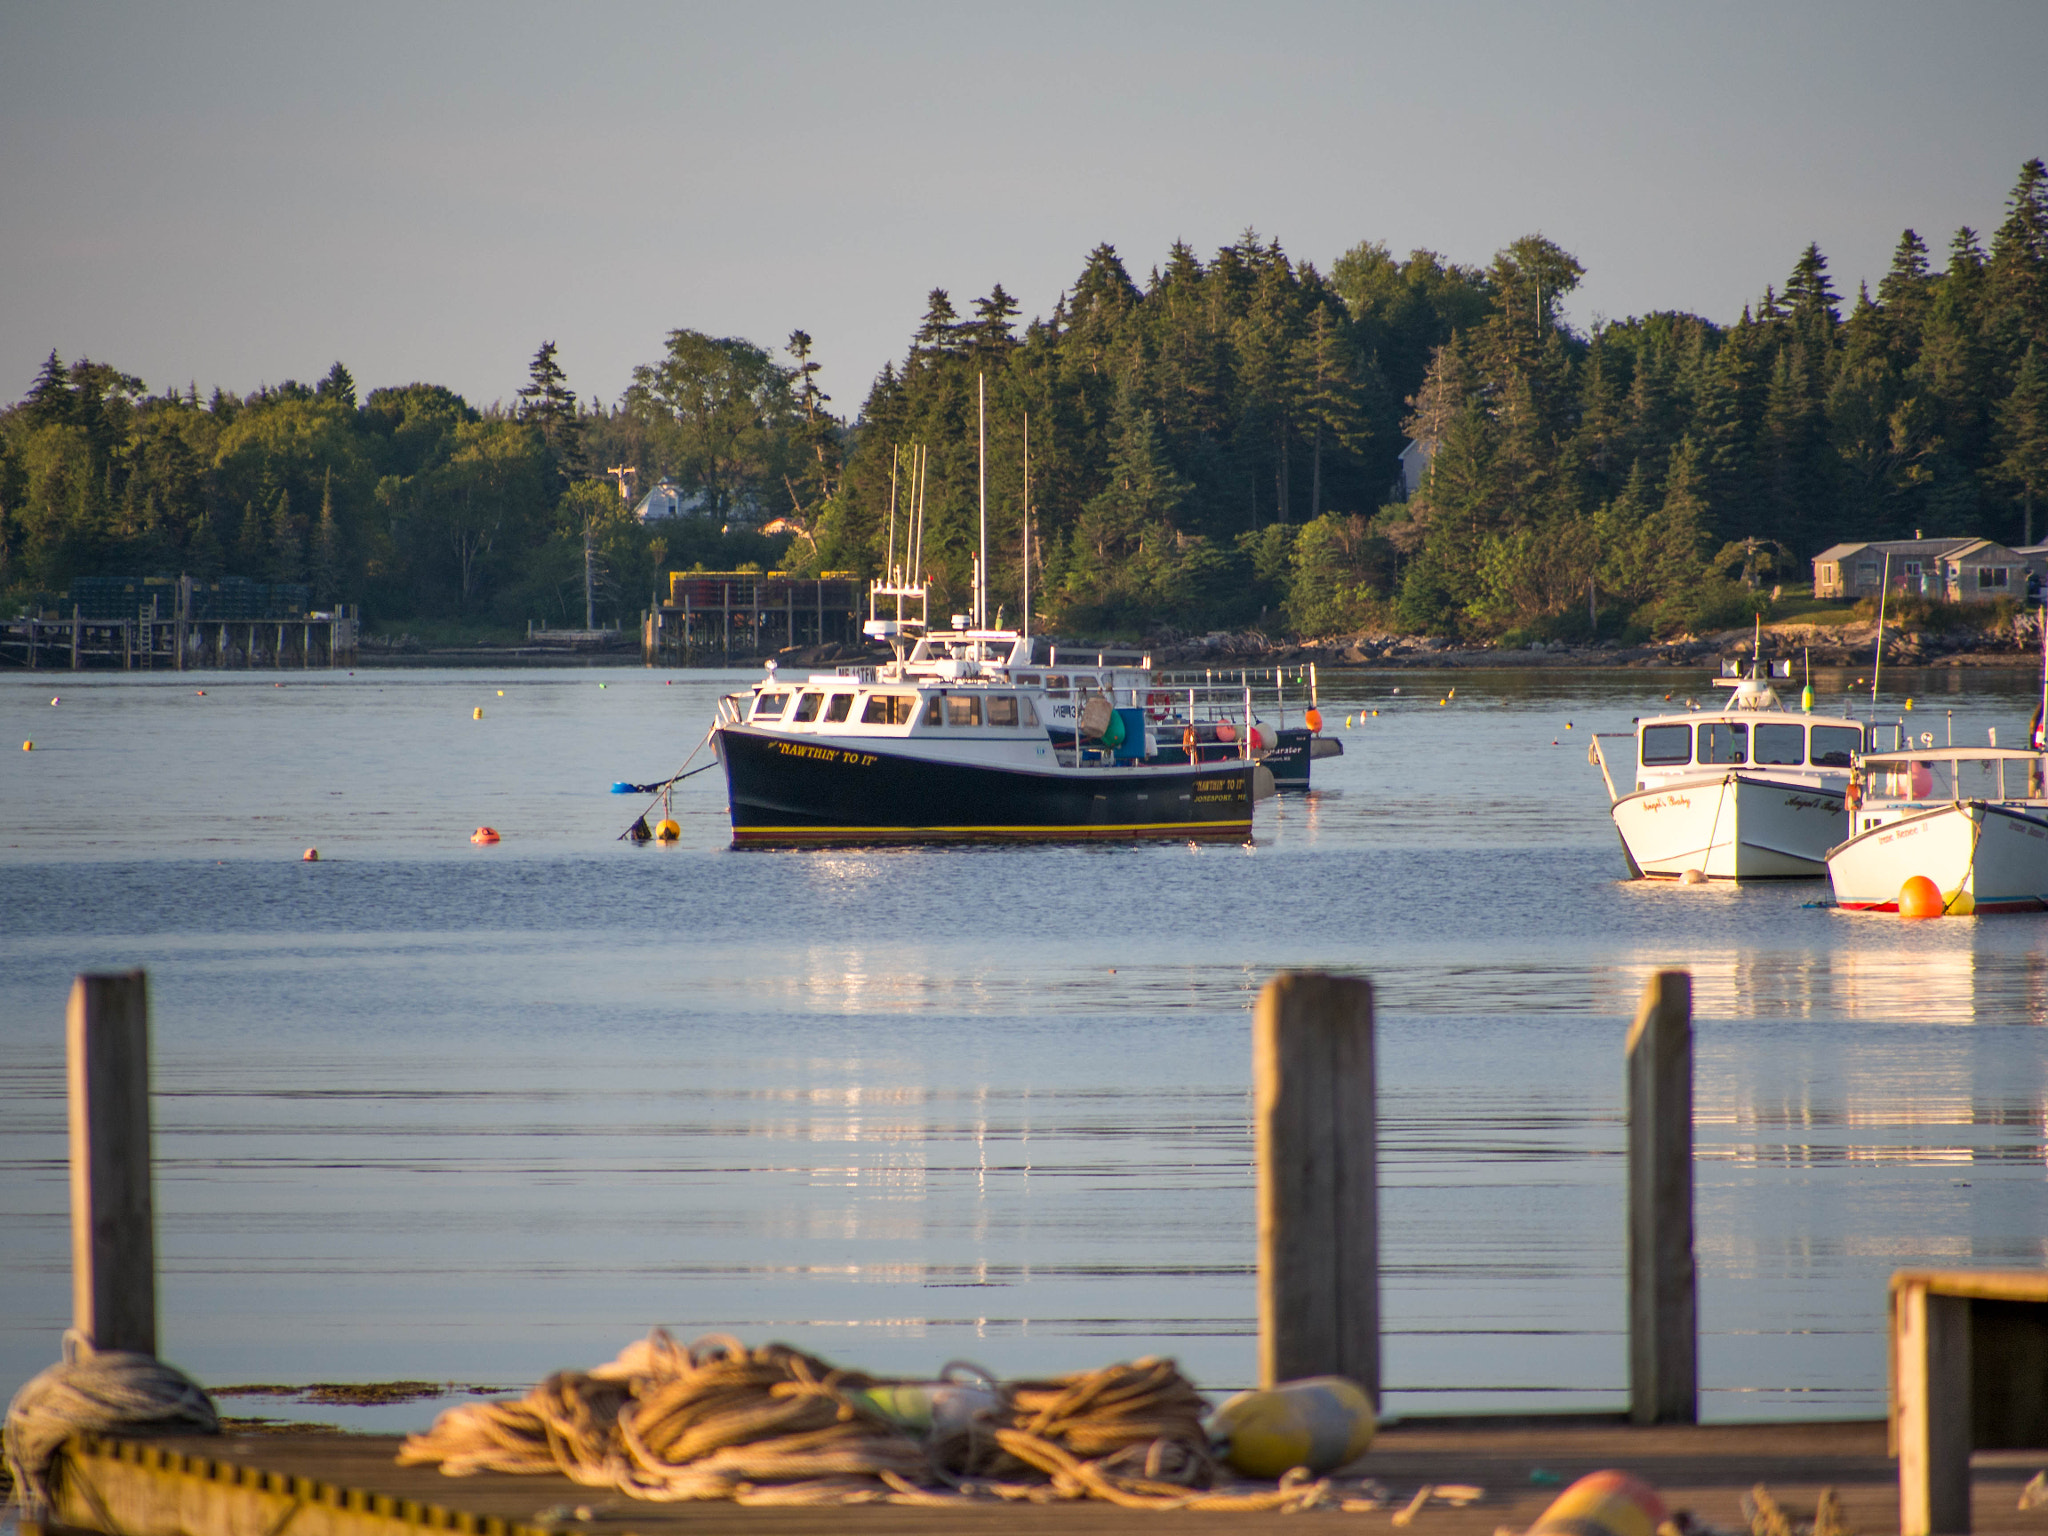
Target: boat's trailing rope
[(776, 1426), (660, 789), (105, 1390)]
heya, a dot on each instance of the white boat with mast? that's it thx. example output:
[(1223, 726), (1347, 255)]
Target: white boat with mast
[(957, 738), (1749, 791)]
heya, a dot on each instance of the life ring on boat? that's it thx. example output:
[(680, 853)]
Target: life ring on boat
[(1158, 703)]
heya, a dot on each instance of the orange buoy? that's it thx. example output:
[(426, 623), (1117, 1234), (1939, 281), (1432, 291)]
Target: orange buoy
[(1603, 1504), (1225, 731), (310, 856), (667, 830), (1314, 720), (484, 835), (1920, 897), (28, 746), (1187, 738)]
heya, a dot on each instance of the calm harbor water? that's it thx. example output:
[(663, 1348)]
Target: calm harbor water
[(429, 1110)]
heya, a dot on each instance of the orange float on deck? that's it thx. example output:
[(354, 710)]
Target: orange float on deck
[(1314, 720), (1603, 1504)]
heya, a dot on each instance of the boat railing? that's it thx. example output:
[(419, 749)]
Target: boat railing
[(1954, 774)]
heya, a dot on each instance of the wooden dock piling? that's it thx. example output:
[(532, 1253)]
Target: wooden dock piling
[(113, 1226), (1663, 1298), (1316, 1109)]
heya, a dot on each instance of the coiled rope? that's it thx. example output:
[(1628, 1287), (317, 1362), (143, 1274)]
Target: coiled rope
[(773, 1425), (104, 1390)]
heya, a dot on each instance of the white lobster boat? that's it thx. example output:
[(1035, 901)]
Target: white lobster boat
[(1751, 791), (1974, 820)]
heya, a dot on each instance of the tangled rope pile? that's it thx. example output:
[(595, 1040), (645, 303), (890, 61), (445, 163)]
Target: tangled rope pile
[(776, 1426), (103, 1390)]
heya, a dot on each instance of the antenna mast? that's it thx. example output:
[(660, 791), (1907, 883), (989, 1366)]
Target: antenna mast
[(1027, 553), (981, 463)]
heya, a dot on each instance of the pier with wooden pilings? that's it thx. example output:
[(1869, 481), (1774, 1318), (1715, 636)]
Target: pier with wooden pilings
[(1969, 1352), (716, 617), (148, 642)]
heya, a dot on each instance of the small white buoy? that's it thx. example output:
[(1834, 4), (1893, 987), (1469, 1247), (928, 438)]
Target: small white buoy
[(1692, 877)]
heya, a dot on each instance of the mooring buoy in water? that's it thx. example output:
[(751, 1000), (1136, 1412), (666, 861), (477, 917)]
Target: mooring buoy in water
[(477, 713), (1693, 877), (484, 835), (667, 831), (1920, 897), (310, 856), (28, 746)]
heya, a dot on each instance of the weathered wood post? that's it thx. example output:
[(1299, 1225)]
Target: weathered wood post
[(1317, 1119), (1663, 1294), (1931, 1392), (113, 1227)]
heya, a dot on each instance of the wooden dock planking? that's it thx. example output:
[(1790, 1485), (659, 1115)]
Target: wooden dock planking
[(350, 1485)]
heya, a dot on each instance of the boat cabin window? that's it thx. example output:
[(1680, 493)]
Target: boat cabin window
[(807, 707), (1722, 741), (888, 709), (935, 711), (1057, 682), (1030, 715), (963, 709), (1784, 744), (840, 707), (1666, 746), (1030, 679), (1002, 709), (1081, 681), (1832, 745), (769, 706)]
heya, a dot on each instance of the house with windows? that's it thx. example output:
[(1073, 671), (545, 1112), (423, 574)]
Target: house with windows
[(1947, 570), (667, 500)]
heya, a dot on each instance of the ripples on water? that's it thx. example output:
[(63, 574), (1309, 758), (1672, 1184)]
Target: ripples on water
[(427, 1110)]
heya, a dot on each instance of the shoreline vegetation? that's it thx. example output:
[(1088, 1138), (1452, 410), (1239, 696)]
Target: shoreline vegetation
[(1237, 444)]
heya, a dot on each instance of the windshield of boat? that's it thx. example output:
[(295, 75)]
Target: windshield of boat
[(1666, 746), (1834, 744), (1722, 741), (770, 705)]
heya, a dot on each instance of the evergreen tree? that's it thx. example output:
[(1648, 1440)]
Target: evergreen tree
[(2023, 435), (339, 386), (939, 332), (2016, 276), (548, 404), (49, 398)]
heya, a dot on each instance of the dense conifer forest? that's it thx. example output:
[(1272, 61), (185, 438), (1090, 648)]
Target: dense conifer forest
[(1215, 445)]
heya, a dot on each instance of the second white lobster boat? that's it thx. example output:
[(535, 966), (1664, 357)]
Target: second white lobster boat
[(1974, 820)]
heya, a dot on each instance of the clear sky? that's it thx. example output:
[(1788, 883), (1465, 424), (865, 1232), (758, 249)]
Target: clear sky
[(242, 194)]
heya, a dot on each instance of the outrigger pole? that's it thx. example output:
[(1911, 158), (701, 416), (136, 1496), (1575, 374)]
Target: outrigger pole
[(1877, 664)]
